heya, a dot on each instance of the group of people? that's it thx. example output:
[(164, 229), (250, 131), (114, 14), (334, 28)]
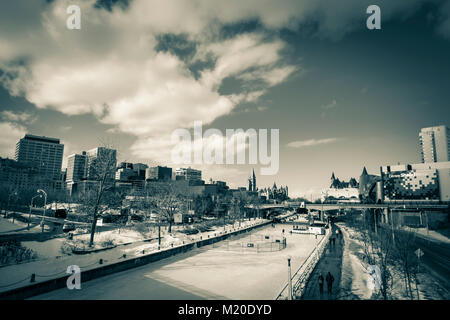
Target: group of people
[(329, 279), (333, 238)]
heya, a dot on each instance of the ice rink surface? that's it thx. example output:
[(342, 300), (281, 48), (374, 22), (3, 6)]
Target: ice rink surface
[(204, 273)]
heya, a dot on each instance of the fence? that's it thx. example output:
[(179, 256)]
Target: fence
[(302, 274), (253, 243)]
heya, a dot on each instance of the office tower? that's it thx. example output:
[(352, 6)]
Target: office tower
[(140, 169), (76, 167), (43, 153), (158, 173), (188, 174), (434, 144), (100, 157)]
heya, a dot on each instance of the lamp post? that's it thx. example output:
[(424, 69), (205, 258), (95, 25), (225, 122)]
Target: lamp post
[(29, 214), (289, 279), (45, 205), (13, 194), (9, 198)]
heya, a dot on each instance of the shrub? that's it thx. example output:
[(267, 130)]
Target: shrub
[(12, 251)]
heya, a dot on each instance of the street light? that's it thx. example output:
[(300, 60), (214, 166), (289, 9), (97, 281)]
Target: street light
[(45, 204), (31, 205), (289, 279), (9, 198)]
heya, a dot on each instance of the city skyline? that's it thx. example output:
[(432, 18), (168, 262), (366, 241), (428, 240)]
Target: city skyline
[(246, 70)]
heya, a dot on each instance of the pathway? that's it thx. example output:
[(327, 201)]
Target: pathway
[(331, 261)]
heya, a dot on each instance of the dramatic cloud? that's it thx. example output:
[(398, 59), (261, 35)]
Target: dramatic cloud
[(118, 69), (110, 67), (310, 143)]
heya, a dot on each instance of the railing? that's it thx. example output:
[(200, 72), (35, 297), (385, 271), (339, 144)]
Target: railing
[(253, 243), (302, 274)]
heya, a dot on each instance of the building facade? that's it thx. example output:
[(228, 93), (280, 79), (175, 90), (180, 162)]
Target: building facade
[(158, 173), (434, 144), (100, 156), (422, 181), (188, 174), (43, 153), (76, 167)]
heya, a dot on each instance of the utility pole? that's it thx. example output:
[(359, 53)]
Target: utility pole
[(45, 204), (375, 220), (392, 226), (159, 234), (31, 205)]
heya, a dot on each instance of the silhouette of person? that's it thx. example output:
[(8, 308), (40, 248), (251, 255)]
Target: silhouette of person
[(329, 280), (321, 280)]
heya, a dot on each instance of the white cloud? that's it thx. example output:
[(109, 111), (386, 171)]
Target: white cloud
[(110, 67), (11, 133), (310, 142)]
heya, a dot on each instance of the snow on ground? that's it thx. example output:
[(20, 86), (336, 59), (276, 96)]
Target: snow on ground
[(8, 225), (354, 274), (46, 249), (207, 272), (125, 235)]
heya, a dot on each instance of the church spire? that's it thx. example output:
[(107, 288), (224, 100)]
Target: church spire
[(254, 180), (364, 173)]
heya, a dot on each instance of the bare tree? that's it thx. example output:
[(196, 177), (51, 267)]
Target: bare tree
[(378, 251), (97, 196), (406, 259), (168, 198), (238, 203)]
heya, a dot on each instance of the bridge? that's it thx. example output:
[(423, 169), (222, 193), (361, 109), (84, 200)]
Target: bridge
[(358, 206)]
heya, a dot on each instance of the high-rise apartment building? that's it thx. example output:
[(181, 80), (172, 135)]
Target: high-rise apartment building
[(100, 156), (43, 153), (76, 167), (434, 144)]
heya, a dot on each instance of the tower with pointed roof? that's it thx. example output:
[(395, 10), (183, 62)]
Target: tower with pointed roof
[(254, 181)]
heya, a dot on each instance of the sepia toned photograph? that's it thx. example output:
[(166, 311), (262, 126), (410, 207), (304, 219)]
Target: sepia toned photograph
[(252, 150)]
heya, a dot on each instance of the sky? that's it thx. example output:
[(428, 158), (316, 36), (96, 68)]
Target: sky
[(342, 96)]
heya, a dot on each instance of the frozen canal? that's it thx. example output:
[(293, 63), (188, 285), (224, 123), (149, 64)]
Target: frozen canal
[(204, 273)]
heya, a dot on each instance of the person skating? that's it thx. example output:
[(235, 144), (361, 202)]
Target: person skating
[(330, 280)]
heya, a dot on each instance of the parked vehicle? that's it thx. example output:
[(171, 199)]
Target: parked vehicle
[(61, 213), (67, 227)]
